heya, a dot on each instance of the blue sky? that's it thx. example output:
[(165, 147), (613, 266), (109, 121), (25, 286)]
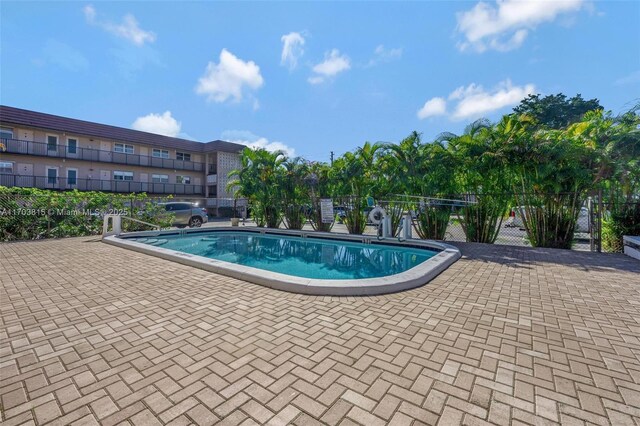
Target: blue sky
[(312, 77)]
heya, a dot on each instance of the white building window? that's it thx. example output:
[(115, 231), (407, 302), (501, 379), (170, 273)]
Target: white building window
[(72, 146), (119, 175), (72, 177), (6, 167), (183, 156), (6, 133), (123, 148), (52, 143), (183, 179), (52, 175), (160, 153), (160, 178)]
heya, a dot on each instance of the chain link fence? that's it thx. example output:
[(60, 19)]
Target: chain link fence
[(599, 224), (73, 214), (507, 228)]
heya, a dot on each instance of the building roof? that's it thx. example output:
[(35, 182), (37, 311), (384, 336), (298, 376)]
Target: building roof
[(24, 117)]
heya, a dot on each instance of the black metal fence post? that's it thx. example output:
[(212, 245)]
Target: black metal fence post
[(592, 228), (599, 221)]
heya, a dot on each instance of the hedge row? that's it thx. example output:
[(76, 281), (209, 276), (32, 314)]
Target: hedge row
[(32, 214)]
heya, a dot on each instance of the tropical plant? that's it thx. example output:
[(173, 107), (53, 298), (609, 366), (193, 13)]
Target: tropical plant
[(551, 171), (320, 186), (481, 180), (294, 192), (404, 159), (356, 177), (438, 182), (259, 180), (30, 213), (617, 173)]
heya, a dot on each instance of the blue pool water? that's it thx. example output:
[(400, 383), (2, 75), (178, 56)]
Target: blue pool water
[(303, 257)]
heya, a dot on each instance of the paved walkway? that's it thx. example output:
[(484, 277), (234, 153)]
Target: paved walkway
[(94, 334)]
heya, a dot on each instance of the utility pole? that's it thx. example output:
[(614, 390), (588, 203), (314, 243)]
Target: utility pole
[(332, 158)]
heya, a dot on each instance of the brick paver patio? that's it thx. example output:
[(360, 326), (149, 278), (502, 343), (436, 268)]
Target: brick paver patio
[(94, 334)]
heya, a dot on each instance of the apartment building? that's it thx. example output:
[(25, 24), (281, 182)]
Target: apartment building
[(52, 152)]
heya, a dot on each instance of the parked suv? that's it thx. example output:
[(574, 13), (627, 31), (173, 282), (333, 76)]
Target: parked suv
[(186, 214)]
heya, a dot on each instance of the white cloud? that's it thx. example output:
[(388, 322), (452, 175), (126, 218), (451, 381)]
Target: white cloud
[(229, 78), (264, 143), (333, 64), (128, 29), (473, 101), (90, 13), (245, 137), (292, 49), (505, 25), (433, 107), (161, 124), (382, 54), (315, 80)]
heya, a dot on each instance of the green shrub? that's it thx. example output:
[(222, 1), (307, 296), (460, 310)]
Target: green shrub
[(432, 222), (625, 220), (31, 214)]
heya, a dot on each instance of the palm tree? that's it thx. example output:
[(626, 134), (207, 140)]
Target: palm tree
[(551, 172), (357, 177), (294, 193), (404, 165), (481, 179), (259, 181), (320, 185)]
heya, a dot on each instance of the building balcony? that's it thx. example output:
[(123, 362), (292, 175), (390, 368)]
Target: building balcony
[(126, 186), (15, 146), (212, 179)]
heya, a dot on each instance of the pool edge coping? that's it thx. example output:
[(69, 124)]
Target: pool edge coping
[(412, 278)]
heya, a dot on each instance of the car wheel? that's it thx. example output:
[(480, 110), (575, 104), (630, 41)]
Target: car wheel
[(195, 222)]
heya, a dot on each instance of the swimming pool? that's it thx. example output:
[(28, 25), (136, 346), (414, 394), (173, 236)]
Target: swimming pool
[(300, 261)]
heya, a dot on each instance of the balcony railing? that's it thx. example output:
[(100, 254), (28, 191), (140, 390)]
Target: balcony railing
[(15, 146), (45, 182)]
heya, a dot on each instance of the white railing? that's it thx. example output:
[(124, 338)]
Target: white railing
[(116, 224)]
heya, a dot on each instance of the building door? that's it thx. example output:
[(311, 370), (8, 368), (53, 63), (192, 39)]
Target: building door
[(105, 151), (25, 139), (105, 180), (25, 169), (144, 182), (144, 156), (72, 178), (51, 180), (25, 176)]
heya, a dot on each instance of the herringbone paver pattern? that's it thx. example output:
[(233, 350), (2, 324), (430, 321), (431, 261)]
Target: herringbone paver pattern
[(93, 334)]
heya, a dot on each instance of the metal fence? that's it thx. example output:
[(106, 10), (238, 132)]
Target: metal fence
[(15, 146), (611, 220), (69, 214), (510, 229), (72, 214), (112, 185)]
